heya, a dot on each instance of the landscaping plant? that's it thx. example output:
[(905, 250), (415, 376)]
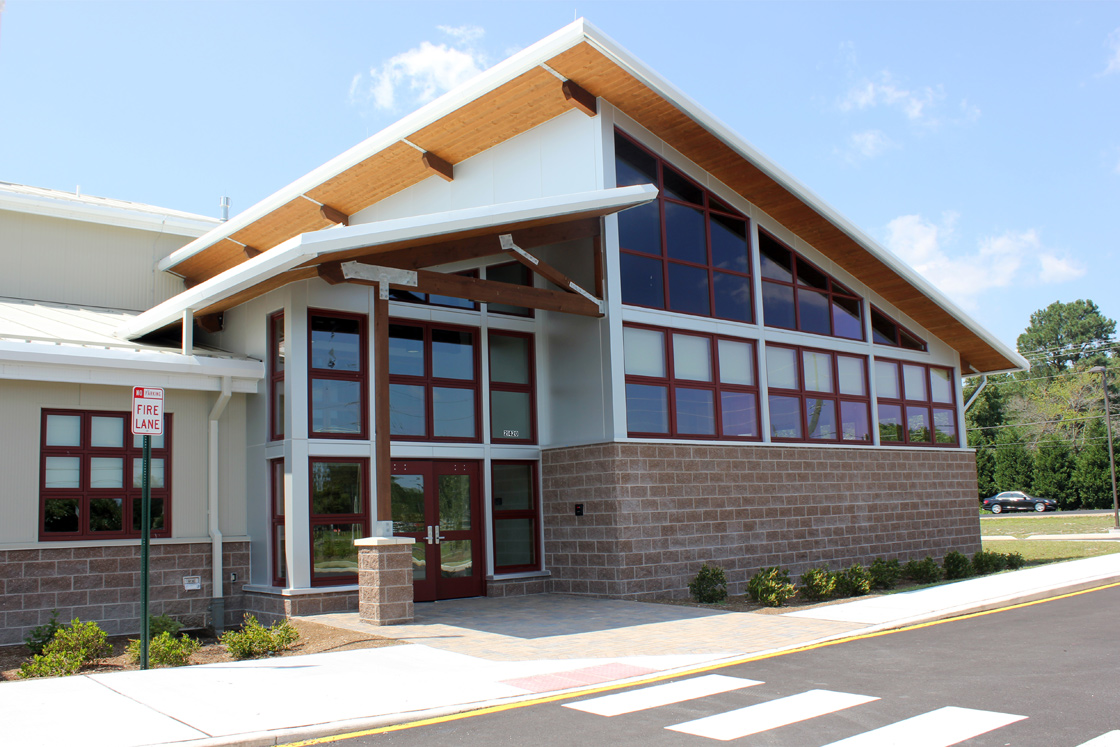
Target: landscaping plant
[(254, 640), (818, 584), (771, 587), (988, 561), (165, 650), (925, 571), (72, 647), (40, 636), (163, 624), (957, 565), (854, 582), (709, 586), (1014, 561), (885, 573)]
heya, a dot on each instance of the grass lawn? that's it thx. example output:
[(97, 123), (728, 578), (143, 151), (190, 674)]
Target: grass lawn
[(1024, 526), (1048, 551)]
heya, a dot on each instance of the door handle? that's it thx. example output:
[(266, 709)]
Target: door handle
[(438, 535), (431, 540)]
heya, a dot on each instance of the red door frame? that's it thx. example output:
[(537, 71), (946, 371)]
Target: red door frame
[(435, 585)]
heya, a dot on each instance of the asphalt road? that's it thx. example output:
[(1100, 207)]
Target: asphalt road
[(1047, 674)]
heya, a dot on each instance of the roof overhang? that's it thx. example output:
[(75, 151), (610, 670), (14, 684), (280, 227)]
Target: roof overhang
[(298, 257), (103, 211), (524, 92)]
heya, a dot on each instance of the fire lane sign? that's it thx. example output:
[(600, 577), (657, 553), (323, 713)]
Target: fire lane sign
[(147, 411)]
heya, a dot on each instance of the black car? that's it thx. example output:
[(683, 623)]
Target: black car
[(1016, 500)]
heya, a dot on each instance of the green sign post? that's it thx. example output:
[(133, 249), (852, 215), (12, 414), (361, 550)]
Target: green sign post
[(147, 420)]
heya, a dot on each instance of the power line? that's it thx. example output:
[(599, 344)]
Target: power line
[(1042, 422), (1071, 347)]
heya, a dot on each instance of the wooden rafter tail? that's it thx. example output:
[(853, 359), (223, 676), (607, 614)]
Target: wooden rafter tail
[(434, 163), (580, 98), (249, 251), (334, 216), (332, 272), (542, 268), (211, 322)]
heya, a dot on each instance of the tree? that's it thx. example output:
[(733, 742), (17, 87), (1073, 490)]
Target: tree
[(1014, 464), (1064, 334), (1091, 477), (1053, 470)]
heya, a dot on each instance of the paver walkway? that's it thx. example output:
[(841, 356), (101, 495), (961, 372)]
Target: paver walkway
[(557, 626)]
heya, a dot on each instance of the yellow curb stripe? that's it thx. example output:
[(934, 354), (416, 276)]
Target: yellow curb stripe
[(674, 675)]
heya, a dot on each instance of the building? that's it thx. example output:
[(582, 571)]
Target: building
[(561, 327)]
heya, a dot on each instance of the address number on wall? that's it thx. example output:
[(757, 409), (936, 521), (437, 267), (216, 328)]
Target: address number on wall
[(511, 434)]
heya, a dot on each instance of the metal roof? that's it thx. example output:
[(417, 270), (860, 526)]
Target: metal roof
[(74, 206)]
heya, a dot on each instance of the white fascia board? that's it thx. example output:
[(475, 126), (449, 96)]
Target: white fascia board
[(22, 360), (178, 225), (486, 81), (315, 244), (705, 119)]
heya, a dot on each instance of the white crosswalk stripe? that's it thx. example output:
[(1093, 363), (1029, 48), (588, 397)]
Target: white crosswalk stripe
[(1108, 739), (940, 728), (661, 695), (770, 715)]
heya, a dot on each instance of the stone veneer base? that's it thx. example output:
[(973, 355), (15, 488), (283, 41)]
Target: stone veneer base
[(102, 584), (653, 513)]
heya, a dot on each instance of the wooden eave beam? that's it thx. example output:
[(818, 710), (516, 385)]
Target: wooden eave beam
[(472, 289), (434, 163), (334, 216), (542, 268), (211, 322), (580, 98), (249, 251)]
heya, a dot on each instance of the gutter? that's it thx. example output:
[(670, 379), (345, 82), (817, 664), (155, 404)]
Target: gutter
[(217, 602)]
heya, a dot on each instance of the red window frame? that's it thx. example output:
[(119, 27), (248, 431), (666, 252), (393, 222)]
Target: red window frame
[(802, 393), (532, 513), (901, 337), (502, 386), (833, 291), (711, 205), (276, 366), (430, 382), (717, 387), (84, 493), (361, 376), (908, 404), (276, 500), (315, 520)]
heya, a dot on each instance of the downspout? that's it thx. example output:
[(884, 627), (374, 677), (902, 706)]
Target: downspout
[(983, 383), (218, 602)]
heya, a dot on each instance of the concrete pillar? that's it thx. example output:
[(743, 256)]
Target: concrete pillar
[(385, 580)]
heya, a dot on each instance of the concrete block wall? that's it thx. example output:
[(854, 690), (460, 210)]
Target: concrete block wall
[(271, 607), (653, 513), (102, 584)]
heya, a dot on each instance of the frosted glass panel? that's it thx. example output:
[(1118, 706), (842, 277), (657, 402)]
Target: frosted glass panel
[(852, 378), (64, 430), (781, 368), (107, 432), (736, 364), (63, 472), (692, 358), (886, 380), (818, 371), (155, 476), (644, 352), (106, 472), (942, 387), (915, 380)]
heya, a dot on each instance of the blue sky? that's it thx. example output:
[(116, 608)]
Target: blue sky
[(979, 141)]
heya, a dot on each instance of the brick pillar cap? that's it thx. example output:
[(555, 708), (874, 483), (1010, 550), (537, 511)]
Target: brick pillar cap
[(382, 541)]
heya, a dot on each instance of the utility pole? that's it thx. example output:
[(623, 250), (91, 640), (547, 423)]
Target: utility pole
[(1111, 457)]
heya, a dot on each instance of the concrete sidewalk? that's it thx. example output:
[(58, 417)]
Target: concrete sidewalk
[(469, 654)]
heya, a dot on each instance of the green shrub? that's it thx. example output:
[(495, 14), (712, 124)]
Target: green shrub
[(709, 586), (771, 587), (52, 664), (165, 650), (854, 582), (957, 565), (254, 640), (1014, 561), (925, 571), (885, 573), (72, 647), (818, 584), (162, 624), (988, 561), (40, 636)]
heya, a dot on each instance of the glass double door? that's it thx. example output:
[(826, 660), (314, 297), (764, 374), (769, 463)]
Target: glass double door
[(438, 504)]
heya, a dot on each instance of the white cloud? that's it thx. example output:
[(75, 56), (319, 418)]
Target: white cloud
[(884, 90), (870, 143), (1114, 49), (1014, 258), (422, 73)]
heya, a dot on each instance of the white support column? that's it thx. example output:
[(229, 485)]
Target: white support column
[(297, 526), (188, 332)]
